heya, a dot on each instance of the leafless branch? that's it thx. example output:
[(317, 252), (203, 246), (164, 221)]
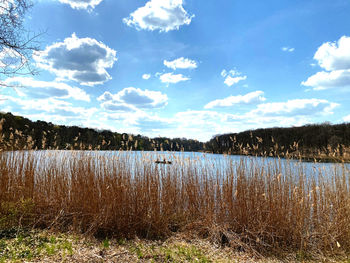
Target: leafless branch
[(16, 43)]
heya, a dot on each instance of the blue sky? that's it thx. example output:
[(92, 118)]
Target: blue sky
[(189, 68)]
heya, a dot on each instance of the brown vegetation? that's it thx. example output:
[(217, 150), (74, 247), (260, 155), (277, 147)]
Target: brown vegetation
[(260, 206)]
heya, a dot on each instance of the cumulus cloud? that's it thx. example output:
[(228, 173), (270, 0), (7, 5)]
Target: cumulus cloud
[(327, 80), (334, 58), (141, 122), (281, 114), (132, 99), (172, 78), (200, 124), (334, 55), (181, 63), (151, 123), (106, 96), (29, 87), (249, 98), (203, 124), (229, 81), (142, 98), (190, 124), (296, 107), (84, 60), (162, 15), (146, 76), (287, 49), (50, 109), (232, 77), (82, 4), (118, 106)]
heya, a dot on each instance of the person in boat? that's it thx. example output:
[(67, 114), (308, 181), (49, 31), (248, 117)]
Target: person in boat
[(163, 162)]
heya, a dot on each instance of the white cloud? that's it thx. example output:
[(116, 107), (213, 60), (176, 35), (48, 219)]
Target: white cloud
[(52, 110), (106, 96), (162, 15), (172, 78), (181, 63), (335, 59), (142, 98), (132, 99), (49, 110), (118, 106), (224, 73), (195, 118), (84, 60), (201, 124), (327, 80), (296, 107), (282, 114), (152, 124), (140, 122), (334, 55), (146, 76), (229, 81), (287, 49), (232, 77), (190, 124), (249, 98), (37, 89), (204, 124), (346, 118), (82, 4)]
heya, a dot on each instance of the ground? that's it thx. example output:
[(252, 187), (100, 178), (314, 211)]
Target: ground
[(47, 246)]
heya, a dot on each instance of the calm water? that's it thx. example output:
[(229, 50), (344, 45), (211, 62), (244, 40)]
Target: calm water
[(211, 164), (192, 160)]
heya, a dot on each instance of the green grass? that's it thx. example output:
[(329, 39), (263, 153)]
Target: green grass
[(28, 245), (36, 246), (169, 253), (106, 243), (23, 245)]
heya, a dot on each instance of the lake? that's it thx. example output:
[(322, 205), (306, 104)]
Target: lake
[(181, 162)]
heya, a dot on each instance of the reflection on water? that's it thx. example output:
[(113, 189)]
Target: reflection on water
[(136, 162)]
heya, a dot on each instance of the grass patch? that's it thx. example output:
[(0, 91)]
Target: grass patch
[(44, 246), (30, 245), (170, 253)]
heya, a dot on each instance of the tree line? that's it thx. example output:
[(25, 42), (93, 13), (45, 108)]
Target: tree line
[(18, 133), (317, 141)]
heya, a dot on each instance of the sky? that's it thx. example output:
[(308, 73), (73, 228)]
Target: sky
[(186, 68)]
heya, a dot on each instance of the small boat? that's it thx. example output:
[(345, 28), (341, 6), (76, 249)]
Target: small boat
[(163, 162)]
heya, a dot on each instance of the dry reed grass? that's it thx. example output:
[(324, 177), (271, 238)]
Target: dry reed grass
[(261, 206)]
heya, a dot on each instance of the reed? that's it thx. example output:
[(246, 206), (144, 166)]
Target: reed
[(254, 204)]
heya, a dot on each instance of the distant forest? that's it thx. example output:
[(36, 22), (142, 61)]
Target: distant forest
[(18, 133), (323, 142), (319, 141)]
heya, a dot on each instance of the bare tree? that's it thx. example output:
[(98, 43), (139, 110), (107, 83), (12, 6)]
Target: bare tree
[(16, 43)]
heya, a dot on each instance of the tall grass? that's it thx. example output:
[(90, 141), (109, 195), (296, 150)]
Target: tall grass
[(251, 204)]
